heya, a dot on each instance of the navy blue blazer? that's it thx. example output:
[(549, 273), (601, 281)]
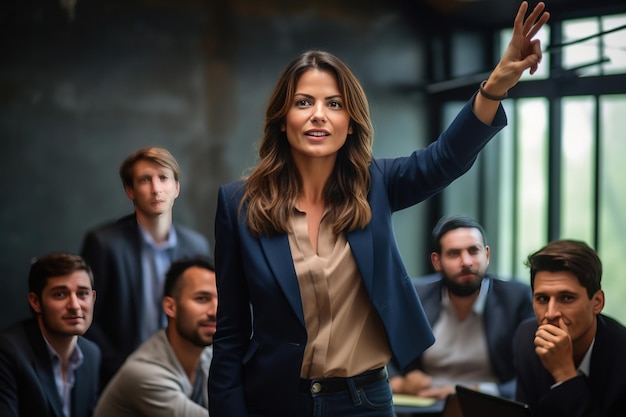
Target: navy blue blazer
[(602, 394), (259, 344), (508, 304), (27, 387), (114, 253)]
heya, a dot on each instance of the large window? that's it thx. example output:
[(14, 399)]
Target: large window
[(531, 196), (578, 155), (595, 45), (612, 207), (560, 160)]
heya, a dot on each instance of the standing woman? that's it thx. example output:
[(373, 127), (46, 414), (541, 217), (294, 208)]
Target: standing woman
[(314, 297)]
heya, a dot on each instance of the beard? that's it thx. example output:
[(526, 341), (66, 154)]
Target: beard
[(464, 289), (191, 334)]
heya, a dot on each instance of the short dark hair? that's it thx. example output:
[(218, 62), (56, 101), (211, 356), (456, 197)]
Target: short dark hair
[(568, 255), (55, 265), (178, 268), (448, 223)]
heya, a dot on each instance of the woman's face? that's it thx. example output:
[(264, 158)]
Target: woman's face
[(317, 123)]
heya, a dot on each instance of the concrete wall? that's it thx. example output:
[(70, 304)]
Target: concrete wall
[(77, 96)]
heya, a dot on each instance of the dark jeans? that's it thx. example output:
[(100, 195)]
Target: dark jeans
[(373, 400)]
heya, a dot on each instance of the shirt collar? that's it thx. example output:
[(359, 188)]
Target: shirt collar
[(479, 305), (148, 240), (585, 364), (75, 359)]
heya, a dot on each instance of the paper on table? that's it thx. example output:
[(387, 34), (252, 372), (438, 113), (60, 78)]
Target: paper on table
[(412, 400)]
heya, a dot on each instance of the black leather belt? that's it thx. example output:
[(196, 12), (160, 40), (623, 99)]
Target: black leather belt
[(330, 385)]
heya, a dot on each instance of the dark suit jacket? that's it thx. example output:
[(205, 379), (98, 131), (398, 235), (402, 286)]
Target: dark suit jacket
[(261, 333), (602, 394), (508, 304), (114, 253), (27, 387)]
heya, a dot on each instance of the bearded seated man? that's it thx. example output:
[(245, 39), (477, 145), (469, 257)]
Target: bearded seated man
[(473, 315)]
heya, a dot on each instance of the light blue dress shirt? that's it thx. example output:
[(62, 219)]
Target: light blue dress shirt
[(65, 385), (155, 261)]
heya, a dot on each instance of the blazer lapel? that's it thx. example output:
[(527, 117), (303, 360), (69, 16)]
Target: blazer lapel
[(133, 260), (276, 248), (278, 255), (180, 249), (362, 246), (431, 301), (49, 385), (80, 396), (43, 368), (602, 349)]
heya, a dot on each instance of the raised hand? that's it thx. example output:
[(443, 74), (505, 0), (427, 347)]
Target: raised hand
[(523, 52)]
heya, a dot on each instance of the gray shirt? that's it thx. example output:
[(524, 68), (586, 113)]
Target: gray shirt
[(460, 354), (152, 383)]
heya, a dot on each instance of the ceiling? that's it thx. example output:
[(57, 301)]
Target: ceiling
[(499, 13), (428, 15)]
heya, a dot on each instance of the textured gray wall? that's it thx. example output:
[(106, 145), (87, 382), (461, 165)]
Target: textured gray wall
[(76, 98)]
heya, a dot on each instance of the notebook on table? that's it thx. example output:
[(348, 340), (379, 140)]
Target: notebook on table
[(409, 405), (478, 404)]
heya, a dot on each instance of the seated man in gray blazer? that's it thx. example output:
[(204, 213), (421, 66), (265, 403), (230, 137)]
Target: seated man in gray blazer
[(473, 315), (167, 375), (47, 369)]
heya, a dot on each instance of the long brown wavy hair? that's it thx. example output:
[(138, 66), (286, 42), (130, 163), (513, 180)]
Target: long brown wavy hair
[(275, 184)]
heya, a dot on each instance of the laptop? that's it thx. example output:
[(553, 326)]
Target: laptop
[(478, 404), (452, 407)]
